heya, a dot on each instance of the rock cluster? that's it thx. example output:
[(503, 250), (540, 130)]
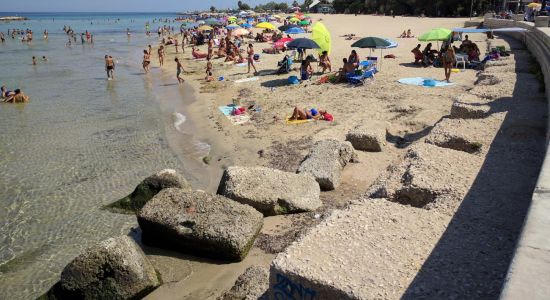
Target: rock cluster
[(199, 223), (370, 137), (326, 160), (148, 188), (270, 191), (113, 269)]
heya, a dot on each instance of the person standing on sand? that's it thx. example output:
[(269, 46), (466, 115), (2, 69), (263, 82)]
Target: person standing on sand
[(179, 70), (250, 53), (176, 44), (448, 59), (110, 67), (34, 60), (150, 50), (210, 49), (208, 68), (161, 55)]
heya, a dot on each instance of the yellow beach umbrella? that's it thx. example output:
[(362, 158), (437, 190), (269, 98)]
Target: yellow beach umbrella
[(265, 25), (232, 18), (321, 36), (205, 28), (294, 20), (534, 5), (239, 32)]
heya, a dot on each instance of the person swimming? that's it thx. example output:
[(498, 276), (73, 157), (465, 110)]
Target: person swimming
[(17, 97)]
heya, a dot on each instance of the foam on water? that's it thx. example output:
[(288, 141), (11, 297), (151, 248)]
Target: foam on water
[(179, 119)]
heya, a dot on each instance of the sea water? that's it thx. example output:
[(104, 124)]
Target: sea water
[(80, 143)]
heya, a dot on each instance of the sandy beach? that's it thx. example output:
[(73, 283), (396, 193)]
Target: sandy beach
[(413, 117)]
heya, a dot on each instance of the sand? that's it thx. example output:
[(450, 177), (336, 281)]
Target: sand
[(410, 113)]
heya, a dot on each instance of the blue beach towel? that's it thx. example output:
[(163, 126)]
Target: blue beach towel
[(420, 82), (227, 109)]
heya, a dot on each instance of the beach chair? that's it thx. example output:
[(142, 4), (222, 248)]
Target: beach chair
[(461, 59), (284, 65), (354, 79), (373, 60)]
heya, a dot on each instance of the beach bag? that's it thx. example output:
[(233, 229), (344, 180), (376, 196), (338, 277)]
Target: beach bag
[(293, 80)]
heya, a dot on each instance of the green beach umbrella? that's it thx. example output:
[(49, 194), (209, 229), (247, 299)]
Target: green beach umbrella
[(371, 42), (438, 34), (304, 23)]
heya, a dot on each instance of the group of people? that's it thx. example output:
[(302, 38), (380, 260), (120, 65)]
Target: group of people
[(406, 34), (15, 96)]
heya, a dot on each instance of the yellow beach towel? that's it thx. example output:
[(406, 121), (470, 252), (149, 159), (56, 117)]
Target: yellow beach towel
[(288, 121)]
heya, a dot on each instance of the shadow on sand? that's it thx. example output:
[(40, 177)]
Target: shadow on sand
[(471, 259)]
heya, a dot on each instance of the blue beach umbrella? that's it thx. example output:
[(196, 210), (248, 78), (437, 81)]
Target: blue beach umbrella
[(295, 30), (191, 25), (246, 25), (232, 26)]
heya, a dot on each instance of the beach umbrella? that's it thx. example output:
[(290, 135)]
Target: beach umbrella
[(205, 28), (191, 25), (287, 27), (304, 23), (239, 32), (265, 25), (232, 26), (232, 18), (534, 5), (201, 22), (303, 43), (282, 42), (212, 21), (294, 20), (321, 36), (437, 34), (371, 42), (276, 17), (295, 30), (246, 25)]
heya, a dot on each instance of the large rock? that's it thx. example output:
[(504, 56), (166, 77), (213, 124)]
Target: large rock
[(461, 135), (368, 137), (270, 191), (199, 223), (326, 160), (147, 189), (251, 285), (114, 269)]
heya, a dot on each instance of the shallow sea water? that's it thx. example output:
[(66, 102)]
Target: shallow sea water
[(80, 143)]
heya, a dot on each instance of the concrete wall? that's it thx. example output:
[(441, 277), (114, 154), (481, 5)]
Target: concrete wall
[(529, 273)]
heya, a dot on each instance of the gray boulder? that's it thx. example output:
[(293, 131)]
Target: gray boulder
[(270, 191), (369, 137), (326, 160), (251, 285), (147, 189), (199, 223), (113, 269)]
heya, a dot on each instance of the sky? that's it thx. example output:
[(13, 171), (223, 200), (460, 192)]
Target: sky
[(122, 5)]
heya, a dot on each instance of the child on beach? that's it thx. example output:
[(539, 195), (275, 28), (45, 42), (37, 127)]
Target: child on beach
[(34, 60), (179, 70)]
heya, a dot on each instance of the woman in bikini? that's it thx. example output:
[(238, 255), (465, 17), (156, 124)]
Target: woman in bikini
[(161, 55), (250, 53), (146, 60)]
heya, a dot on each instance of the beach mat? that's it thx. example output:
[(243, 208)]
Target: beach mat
[(297, 122), (247, 79), (235, 120), (419, 81)]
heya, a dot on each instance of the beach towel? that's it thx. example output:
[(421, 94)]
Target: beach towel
[(235, 120), (419, 81), (296, 122), (247, 79)]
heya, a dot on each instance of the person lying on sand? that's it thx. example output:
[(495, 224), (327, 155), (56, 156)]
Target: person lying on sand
[(309, 114), (271, 50), (17, 97)]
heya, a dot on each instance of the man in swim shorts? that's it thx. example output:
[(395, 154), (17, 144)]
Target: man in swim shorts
[(110, 67)]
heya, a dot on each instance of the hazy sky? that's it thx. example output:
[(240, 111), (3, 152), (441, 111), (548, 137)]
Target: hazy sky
[(121, 5)]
